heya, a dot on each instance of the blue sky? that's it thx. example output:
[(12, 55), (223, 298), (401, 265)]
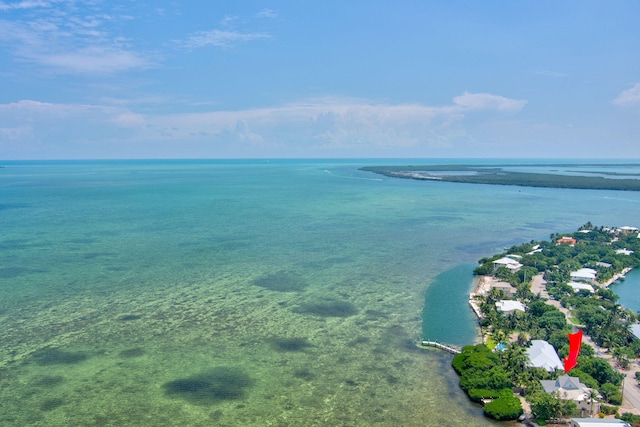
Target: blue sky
[(444, 78)]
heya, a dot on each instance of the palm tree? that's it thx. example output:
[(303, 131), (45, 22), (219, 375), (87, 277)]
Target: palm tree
[(592, 396), (515, 360)]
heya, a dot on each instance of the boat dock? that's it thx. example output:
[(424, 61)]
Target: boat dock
[(447, 348)]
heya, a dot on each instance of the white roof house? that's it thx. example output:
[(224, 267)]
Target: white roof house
[(584, 274), (635, 329), (624, 251), (597, 422), (543, 355), (507, 262), (509, 306), (627, 229), (576, 286)]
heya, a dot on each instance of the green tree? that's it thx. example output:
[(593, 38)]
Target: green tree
[(611, 394), (544, 406), (504, 408), (514, 360)]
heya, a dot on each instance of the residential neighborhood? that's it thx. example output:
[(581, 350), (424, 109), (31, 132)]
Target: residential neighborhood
[(528, 300)]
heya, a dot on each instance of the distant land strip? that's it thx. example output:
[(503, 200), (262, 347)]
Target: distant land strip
[(472, 174)]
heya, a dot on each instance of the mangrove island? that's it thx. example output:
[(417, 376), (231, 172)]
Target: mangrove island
[(497, 175)]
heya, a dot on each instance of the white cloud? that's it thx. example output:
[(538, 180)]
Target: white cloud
[(26, 4), (629, 97), (220, 38), (317, 125), (487, 101), (92, 60), (333, 122), (58, 36), (267, 13)]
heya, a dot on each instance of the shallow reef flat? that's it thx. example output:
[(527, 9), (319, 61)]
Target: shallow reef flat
[(237, 351)]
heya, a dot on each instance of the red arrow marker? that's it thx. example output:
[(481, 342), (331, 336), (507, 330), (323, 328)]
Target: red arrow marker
[(575, 342)]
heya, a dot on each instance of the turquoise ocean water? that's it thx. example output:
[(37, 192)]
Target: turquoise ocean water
[(251, 293), (629, 290)]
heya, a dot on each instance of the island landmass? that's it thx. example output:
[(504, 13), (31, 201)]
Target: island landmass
[(497, 175)]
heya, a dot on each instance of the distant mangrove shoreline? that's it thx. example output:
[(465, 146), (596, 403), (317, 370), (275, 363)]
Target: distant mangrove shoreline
[(496, 175)]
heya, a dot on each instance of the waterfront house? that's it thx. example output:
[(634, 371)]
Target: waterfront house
[(507, 289), (584, 275), (598, 422), (509, 306), (507, 262), (570, 388), (543, 355)]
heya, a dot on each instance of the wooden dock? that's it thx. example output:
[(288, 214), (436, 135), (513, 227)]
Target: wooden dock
[(435, 344)]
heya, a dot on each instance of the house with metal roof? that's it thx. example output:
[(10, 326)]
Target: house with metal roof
[(507, 262), (543, 355), (584, 275), (570, 388), (578, 286), (509, 306)]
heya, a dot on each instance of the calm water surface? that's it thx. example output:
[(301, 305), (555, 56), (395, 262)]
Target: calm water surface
[(250, 293), (629, 290)]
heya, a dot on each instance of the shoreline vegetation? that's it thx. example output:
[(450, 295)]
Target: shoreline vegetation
[(539, 292), (496, 175)]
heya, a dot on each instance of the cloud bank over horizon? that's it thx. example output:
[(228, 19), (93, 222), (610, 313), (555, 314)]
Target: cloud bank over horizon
[(322, 126), (97, 79)]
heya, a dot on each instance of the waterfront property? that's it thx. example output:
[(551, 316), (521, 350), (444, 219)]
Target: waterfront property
[(509, 306), (504, 287), (570, 388), (560, 285), (543, 355), (584, 275), (507, 262)]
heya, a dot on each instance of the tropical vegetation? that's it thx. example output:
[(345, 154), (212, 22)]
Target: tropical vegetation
[(488, 374)]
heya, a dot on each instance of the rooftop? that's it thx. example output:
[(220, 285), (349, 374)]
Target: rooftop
[(507, 306), (543, 355)]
